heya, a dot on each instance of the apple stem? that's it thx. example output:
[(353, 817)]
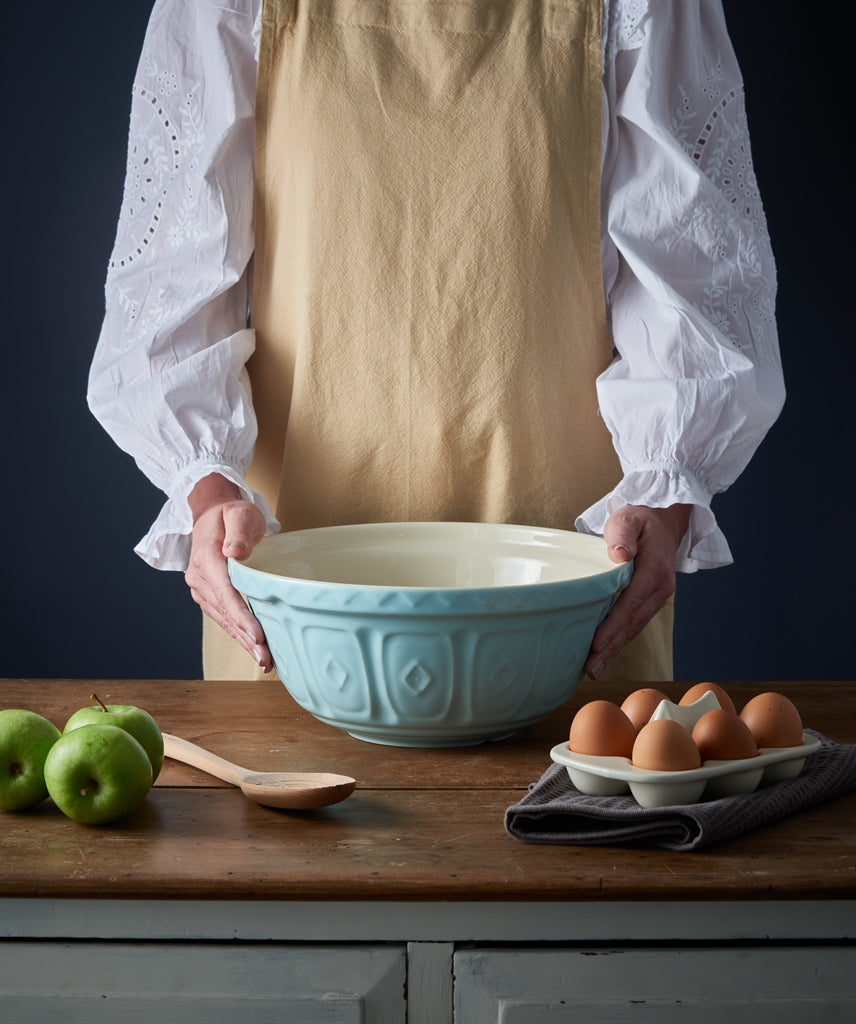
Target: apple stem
[(98, 700)]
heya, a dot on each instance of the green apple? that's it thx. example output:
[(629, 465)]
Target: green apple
[(137, 722), (98, 773), (25, 739)]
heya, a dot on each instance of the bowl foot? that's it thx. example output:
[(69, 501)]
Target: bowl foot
[(427, 741)]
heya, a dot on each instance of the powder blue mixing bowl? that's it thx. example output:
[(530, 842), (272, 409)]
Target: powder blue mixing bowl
[(430, 634)]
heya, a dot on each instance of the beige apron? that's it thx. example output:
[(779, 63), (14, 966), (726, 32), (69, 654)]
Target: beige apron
[(428, 299)]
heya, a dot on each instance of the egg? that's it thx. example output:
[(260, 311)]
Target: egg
[(665, 746), (721, 735), (700, 689), (601, 728), (641, 704), (773, 720)]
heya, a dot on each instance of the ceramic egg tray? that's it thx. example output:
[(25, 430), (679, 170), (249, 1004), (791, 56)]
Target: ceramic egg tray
[(616, 776)]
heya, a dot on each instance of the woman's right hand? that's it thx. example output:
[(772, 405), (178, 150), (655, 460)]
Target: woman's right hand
[(224, 526)]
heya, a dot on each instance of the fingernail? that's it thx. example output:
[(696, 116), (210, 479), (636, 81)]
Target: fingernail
[(257, 656), (252, 636), (596, 669)]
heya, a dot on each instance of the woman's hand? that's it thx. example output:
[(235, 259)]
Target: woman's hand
[(224, 526), (652, 537)]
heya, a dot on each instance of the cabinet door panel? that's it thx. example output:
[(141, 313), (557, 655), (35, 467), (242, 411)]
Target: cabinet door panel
[(140, 983), (740, 986), (138, 1009)]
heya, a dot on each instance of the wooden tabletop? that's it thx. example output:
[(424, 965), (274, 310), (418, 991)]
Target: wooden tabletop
[(421, 825)]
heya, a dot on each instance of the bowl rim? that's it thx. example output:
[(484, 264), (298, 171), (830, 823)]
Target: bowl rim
[(618, 571)]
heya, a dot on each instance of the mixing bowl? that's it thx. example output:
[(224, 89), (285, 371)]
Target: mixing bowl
[(429, 634)]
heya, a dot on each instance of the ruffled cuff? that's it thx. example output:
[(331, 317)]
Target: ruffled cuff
[(167, 544), (704, 546)]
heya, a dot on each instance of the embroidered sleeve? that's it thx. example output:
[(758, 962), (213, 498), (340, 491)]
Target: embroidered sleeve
[(689, 271), (177, 289)]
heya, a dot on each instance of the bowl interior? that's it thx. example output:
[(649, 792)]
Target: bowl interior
[(431, 555)]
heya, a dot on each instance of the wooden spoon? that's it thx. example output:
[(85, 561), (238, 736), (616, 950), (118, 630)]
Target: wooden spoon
[(290, 790)]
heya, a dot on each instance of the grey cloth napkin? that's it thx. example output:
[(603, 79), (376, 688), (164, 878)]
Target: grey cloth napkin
[(555, 811)]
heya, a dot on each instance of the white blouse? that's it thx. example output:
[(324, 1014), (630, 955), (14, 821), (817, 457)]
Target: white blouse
[(688, 270)]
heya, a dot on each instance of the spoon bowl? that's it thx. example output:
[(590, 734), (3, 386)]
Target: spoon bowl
[(296, 791)]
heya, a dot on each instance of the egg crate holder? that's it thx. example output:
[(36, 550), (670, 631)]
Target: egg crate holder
[(616, 776)]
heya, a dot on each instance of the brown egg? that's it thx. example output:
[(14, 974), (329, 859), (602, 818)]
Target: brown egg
[(722, 735), (601, 728), (665, 746), (773, 720), (641, 704), (700, 689)]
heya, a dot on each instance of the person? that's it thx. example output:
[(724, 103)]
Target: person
[(471, 260)]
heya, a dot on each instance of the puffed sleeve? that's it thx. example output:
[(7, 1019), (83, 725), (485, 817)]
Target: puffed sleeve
[(168, 379), (690, 280)]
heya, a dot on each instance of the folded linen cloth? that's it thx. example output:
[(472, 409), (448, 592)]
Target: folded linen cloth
[(555, 811)]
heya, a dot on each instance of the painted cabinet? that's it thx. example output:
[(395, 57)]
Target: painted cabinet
[(802, 985), (208, 983), (421, 983)]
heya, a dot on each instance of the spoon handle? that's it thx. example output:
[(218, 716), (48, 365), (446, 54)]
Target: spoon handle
[(188, 753)]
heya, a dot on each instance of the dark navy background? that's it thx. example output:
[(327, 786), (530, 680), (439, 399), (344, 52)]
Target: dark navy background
[(77, 602)]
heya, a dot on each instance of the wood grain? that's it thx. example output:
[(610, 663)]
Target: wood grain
[(422, 824)]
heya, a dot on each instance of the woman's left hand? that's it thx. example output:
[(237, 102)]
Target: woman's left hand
[(652, 537)]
